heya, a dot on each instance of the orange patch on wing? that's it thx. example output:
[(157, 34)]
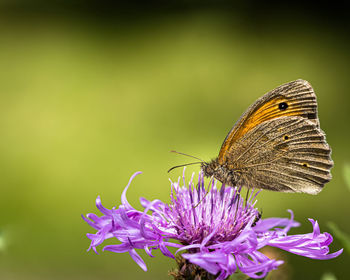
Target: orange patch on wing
[(267, 111)]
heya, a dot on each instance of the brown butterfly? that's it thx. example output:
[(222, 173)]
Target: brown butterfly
[(277, 144)]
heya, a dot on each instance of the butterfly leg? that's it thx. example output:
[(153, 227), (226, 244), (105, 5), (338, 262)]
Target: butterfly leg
[(246, 197), (206, 193)]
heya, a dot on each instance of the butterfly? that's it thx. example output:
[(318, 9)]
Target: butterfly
[(277, 144)]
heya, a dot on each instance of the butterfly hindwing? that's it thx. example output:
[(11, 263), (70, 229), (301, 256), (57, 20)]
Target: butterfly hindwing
[(287, 154)]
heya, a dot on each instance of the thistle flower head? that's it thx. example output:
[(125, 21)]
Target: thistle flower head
[(216, 230), (208, 217)]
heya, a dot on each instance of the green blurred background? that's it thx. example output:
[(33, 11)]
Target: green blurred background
[(91, 92)]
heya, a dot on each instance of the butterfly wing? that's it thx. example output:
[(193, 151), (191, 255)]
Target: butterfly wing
[(296, 98), (288, 154), (277, 143)]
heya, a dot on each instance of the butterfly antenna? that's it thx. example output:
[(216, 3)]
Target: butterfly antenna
[(187, 155), (191, 163)]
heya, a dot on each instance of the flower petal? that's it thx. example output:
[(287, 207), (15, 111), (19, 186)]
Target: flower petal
[(136, 257), (123, 197), (313, 245), (205, 261)]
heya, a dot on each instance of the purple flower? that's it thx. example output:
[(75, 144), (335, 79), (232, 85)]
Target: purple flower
[(214, 229)]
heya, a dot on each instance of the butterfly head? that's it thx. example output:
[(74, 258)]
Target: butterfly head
[(219, 172)]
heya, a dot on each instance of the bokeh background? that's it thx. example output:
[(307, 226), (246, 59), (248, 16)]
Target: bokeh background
[(92, 91)]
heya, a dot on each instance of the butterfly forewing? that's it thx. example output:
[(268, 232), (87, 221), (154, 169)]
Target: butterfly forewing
[(296, 98)]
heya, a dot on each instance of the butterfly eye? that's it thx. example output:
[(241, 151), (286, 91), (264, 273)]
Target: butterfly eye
[(282, 106)]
